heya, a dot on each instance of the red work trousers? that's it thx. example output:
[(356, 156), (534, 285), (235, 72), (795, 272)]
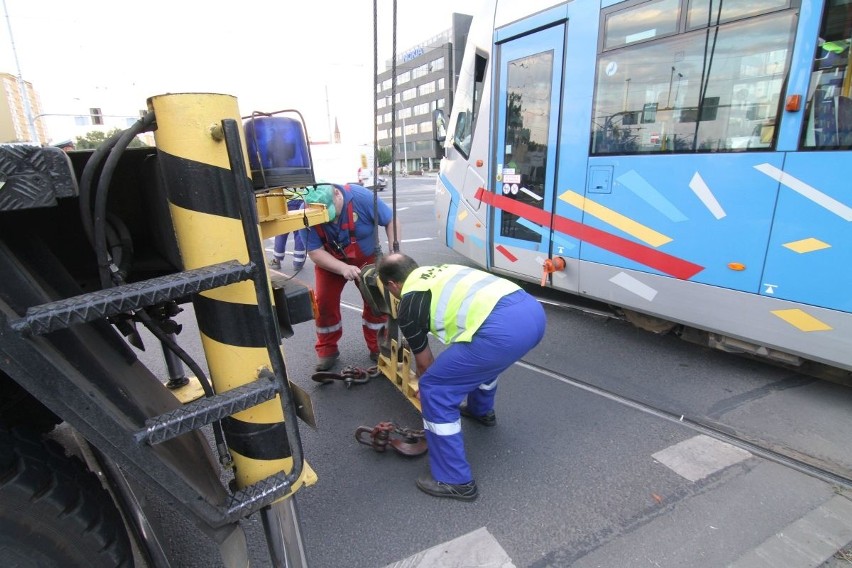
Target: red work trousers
[(329, 287)]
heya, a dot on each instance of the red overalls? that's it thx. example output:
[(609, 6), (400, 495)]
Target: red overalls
[(329, 287)]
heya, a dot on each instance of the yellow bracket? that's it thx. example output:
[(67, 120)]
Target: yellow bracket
[(276, 219), (398, 371), (190, 391), (397, 367)]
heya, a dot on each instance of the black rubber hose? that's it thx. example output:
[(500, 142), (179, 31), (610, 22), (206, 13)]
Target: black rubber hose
[(86, 184), (104, 261)]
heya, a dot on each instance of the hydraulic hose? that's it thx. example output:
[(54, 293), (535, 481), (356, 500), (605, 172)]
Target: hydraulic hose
[(91, 170), (106, 269)]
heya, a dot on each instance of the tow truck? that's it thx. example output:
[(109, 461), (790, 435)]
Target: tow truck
[(95, 245)]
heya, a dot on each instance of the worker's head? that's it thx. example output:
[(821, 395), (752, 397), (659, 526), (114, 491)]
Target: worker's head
[(338, 202), (394, 269), (324, 194)]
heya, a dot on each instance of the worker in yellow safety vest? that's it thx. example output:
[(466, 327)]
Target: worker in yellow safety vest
[(489, 323)]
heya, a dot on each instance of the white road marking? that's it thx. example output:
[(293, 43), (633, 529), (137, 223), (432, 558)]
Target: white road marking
[(806, 543), (700, 456), (478, 548)]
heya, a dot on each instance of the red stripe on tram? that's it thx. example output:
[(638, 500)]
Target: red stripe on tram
[(506, 253), (642, 254)]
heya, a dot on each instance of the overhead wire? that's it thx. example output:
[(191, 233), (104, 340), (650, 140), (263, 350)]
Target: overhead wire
[(393, 127), (378, 245)]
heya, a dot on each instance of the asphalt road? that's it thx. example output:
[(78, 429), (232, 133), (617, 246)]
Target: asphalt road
[(614, 447)]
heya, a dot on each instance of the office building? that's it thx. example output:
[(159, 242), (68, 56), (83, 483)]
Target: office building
[(426, 76), (19, 107)]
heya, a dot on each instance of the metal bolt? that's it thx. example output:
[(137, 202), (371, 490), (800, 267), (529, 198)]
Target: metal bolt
[(216, 132)]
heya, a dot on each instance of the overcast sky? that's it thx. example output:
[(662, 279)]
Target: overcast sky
[(270, 54)]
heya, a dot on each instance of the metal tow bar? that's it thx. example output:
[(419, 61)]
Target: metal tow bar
[(349, 376), (406, 441)]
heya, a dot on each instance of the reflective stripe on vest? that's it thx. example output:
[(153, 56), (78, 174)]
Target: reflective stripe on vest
[(462, 298)]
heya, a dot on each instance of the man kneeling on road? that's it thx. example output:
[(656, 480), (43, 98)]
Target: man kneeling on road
[(489, 323)]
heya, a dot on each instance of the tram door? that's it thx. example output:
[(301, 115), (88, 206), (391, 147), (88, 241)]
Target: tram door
[(523, 181)]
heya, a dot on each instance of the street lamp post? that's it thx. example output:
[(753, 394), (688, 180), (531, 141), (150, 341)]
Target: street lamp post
[(25, 99), (404, 148), (395, 112)]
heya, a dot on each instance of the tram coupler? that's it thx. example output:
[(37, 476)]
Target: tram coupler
[(349, 376), (406, 441)]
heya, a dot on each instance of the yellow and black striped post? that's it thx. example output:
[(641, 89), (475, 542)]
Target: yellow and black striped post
[(204, 205)]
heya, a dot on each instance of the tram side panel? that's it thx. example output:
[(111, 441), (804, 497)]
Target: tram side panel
[(461, 217), (695, 238)]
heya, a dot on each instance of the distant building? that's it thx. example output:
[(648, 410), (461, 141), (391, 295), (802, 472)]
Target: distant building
[(14, 122), (426, 78), (76, 120), (81, 118)]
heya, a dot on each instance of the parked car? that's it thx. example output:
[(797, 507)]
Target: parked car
[(365, 178)]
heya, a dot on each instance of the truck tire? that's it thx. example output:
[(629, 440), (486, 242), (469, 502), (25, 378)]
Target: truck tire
[(53, 511)]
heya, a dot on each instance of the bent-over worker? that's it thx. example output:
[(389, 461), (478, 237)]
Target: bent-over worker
[(489, 323)]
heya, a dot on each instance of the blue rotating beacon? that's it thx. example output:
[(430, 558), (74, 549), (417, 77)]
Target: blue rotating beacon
[(278, 150)]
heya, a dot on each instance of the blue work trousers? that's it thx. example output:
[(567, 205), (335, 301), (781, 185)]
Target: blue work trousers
[(299, 238), (470, 370)]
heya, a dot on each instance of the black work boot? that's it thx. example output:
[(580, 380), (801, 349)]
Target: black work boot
[(488, 419), (463, 492)]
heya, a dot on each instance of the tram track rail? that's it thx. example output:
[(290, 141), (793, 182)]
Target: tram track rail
[(698, 425), (579, 304), (595, 308)]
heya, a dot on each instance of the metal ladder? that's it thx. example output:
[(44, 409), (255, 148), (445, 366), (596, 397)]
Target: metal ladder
[(89, 307)]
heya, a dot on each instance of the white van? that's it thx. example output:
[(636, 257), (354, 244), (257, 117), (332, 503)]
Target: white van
[(345, 163)]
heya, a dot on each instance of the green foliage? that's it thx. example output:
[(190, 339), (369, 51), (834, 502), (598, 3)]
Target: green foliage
[(95, 138), (384, 156)]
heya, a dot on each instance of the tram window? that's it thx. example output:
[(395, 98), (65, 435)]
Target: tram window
[(711, 90), (468, 97), (649, 20), (703, 13), (529, 82), (829, 109)]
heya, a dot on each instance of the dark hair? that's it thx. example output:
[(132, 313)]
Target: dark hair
[(396, 267)]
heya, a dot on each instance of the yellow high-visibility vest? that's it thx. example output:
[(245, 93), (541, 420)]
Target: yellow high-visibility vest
[(462, 298)]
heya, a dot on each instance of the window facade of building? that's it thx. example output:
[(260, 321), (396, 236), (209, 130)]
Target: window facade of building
[(426, 76), (18, 117)]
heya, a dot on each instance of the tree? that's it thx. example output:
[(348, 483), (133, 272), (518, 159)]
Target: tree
[(384, 157), (95, 138)]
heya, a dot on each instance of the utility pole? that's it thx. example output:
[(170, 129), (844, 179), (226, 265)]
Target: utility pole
[(22, 88)]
